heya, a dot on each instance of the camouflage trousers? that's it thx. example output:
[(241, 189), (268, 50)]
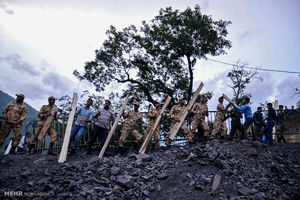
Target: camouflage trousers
[(126, 131), (217, 125), (198, 120), (155, 134), (184, 129), (51, 132), (5, 130)]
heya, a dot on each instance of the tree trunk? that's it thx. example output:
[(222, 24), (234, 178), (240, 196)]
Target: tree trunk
[(190, 90)]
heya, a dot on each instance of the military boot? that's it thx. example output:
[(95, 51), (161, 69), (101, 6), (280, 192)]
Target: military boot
[(50, 150), (31, 148), (12, 150), (168, 143)]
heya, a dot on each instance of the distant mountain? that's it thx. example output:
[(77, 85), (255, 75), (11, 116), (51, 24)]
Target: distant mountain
[(32, 113)]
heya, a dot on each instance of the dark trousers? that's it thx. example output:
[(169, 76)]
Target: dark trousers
[(268, 131), (234, 128), (97, 132), (247, 124)]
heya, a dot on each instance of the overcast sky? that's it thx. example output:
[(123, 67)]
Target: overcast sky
[(42, 42)]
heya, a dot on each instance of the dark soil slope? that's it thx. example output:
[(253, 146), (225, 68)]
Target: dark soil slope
[(216, 170)]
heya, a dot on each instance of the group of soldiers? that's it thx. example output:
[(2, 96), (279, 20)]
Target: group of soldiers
[(15, 113)]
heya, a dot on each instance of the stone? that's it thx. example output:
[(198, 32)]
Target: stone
[(199, 187), (115, 170), (230, 189), (162, 175), (244, 191), (144, 157), (125, 181)]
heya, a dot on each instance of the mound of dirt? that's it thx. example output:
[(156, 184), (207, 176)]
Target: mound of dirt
[(215, 170)]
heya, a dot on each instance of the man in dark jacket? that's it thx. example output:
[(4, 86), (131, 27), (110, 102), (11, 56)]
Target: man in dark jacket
[(268, 130), (258, 123)]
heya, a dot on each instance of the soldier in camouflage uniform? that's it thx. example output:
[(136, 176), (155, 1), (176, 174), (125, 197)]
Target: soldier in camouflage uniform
[(130, 126), (152, 115), (200, 110), (219, 120), (281, 117), (44, 113), (174, 115), (14, 114)]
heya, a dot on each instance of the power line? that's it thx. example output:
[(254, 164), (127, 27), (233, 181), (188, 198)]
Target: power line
[(255, 68)]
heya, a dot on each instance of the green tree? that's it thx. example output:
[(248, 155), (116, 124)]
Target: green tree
[(158, 59)]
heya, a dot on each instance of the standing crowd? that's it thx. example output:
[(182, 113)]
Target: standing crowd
[(16, 112)]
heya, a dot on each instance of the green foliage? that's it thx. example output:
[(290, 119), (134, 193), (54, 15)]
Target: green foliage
[(65, 102), (158, 59)]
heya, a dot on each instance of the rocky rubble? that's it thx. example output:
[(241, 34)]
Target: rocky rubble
[(217, 170)]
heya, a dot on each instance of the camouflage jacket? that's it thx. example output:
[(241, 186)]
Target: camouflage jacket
[(133, 118), (152, 115), (281, 117), (220, 115), (176, 111), (15, 111), (45, 109), (200, 109)]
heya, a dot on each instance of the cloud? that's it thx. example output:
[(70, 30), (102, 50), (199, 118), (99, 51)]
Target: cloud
[(5, 9), (261, 90), (18, 64), (245, 36), (57, 82), (286, 90)]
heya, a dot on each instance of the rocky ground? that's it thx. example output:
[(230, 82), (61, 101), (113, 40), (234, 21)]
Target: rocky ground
[(215, 170)]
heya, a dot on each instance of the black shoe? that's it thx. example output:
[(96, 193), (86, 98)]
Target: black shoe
[(72, 151), (50, 150), (12, 150)]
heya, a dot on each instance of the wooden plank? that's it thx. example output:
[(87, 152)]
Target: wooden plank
[(184, 113), (48, 123), (229, 100), (113, 128), (64, 149), (216, 183), (8, 148), (152, 130)]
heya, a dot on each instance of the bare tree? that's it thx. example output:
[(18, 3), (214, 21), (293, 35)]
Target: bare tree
[(240, 78)]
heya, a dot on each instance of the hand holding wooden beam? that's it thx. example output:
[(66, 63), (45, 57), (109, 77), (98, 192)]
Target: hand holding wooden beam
[(157, 121), (184, 113), (229, 100)]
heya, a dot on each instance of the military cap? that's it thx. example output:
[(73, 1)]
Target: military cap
[(20, 95), (136, 103), (156, 101), (51, 97)]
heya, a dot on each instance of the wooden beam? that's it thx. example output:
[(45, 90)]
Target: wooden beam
[(229, 100), (184, 113), (64, 148), (113, 128), (47, 123), (152, 130)]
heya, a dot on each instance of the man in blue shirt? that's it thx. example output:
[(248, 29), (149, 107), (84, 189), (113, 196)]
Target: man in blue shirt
[(84, 116), (246, 110), (268, 130)]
